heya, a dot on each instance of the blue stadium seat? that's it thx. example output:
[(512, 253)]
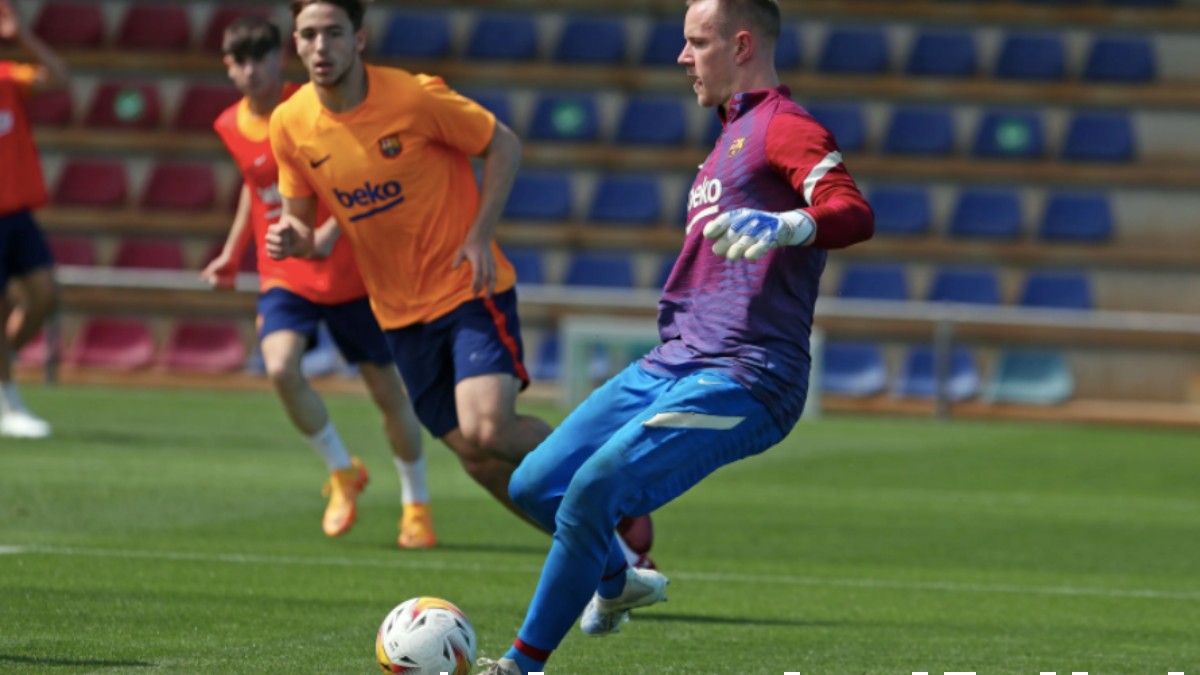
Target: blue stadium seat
[(590, 39), (943, 53), (918, 376), (653, 120), (567, 117), (844, 120), (528, 264), (1075, 216), (1061, 290), (626, 199), (975, 285), (416, 34), (1031, 377), (920, 130), (860, 50), (547, 366), (853, 369), (1099, 137), (788, 48), (987, 213), (664, 43), (495, 100), (901, 210), (589, 268), (504, 37), (1009, 133), (540, 195), (664, 270), (1031, 56), (712, 131), (1121, 59), (878, 281)]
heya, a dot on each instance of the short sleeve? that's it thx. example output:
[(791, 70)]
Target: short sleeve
[(292, 183), (453, 119)]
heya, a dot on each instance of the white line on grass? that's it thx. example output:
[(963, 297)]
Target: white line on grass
[(413, 562)]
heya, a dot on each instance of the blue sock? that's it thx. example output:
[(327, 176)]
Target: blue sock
[(527, 662)]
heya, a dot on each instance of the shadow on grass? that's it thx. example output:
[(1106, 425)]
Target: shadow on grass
[(730, 620), (71, 663)]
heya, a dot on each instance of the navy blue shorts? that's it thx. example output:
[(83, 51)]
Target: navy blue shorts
[(352, 324), (479, 337), (23, 247)]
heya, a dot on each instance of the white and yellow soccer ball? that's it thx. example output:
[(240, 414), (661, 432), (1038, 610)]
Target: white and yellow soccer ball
[(425, 636)]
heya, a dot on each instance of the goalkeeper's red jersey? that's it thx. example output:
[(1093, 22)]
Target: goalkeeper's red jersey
[(328, 281), (21, 185)]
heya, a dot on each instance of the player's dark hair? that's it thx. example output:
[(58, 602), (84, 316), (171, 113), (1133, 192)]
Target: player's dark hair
[(250, 37), (762, 15), (353, 9)]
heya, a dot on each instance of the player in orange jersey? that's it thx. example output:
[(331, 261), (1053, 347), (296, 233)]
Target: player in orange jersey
[(25, 260), (389, 151), (297, 294)]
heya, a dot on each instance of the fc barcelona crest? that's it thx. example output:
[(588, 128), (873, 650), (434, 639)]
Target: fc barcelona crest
[(390, 146), (736, 145)]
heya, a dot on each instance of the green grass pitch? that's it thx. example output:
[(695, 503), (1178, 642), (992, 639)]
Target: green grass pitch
[(170, 531)]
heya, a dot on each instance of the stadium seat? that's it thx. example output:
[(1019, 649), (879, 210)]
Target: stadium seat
[(547, 366), (1031, 56), (1099, 137), (495, 100), (943, 53), (119, 105), (160, 27), (877, 281), (504, 37), (653, 120), (626, 199), (416, 34), (1121, 59), (608, 269), (920, 130), (987, 213), (540, 195), (664, 270), (121, 344), (528, 264), (92, 182), (1057, 289), (566, 117), (979, 286), (1074, 216), (222, 16), (860, 50), (788, 49), (73, 25), (35, 352), (201, 104), (73, 250), (149, 253), (853, 369), (663, 43), (1009, 133), (180, 186), (591, 40), (918, 376), (204, 346), (1031, 377), (845, 121), (901, 210), (50, 108)]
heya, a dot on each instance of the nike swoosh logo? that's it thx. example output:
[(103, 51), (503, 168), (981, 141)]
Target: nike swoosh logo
[(701, 380), (319, 162)]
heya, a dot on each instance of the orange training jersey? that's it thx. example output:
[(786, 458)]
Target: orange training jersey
[(328, 281), (395, 172), (21, 184)]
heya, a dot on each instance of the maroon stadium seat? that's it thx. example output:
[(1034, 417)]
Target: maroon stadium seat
[(35, 351), (149, 253), (51, 108), (221, 18), (70, 24), (120, 105), (73, 250), (155, 27), (92, 182), (201, 104), (188, 186), (122, 344), (205, 346)]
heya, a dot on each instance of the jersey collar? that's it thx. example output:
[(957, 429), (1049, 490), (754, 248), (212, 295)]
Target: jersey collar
[(745, 101)]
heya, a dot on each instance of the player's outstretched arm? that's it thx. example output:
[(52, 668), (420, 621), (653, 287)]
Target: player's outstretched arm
[(221, 272), (292, 236), (54, 73), (501, 158)]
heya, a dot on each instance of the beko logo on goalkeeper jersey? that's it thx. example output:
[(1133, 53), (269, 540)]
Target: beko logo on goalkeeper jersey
[(705, 193), (377, 198)]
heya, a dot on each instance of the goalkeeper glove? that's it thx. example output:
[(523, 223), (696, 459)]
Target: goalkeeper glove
[(750, 233)]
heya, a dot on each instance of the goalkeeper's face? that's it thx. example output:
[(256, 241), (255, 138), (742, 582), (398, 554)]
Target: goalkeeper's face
[(327, 43), (709, 56)]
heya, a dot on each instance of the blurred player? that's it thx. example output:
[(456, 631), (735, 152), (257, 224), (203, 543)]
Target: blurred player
[(25, 259), (296, 294), (390, 152), (729, 379)]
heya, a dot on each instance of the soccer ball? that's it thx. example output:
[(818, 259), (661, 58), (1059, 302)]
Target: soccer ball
[(425, 636)]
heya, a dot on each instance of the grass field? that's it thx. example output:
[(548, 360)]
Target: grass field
[(166, 531)]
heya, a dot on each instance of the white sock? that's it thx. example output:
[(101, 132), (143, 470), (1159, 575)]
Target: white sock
[(9, 398), (328, 445), (631, 558), (413, 488)]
